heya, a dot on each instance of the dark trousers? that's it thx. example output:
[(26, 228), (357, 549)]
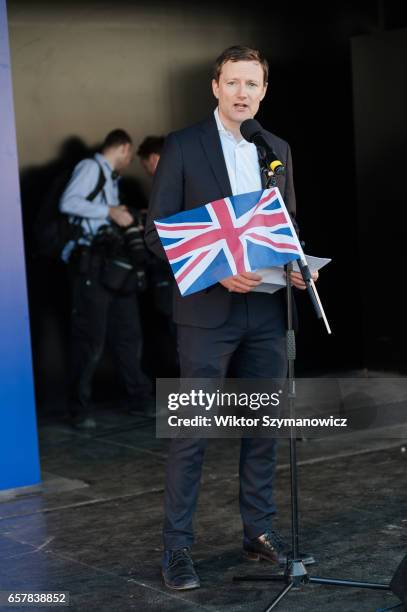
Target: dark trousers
[(252, 341), (101, 316)]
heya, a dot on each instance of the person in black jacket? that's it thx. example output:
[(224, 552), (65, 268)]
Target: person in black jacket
[(200, 164), (149, 152)]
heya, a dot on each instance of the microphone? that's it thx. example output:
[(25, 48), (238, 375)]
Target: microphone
[(252, 131)]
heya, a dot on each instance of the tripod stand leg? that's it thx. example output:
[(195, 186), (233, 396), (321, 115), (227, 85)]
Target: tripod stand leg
[(349, 583), (279, 597), (265, 577)]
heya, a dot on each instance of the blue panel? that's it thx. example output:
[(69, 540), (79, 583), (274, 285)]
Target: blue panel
[(19, 462)]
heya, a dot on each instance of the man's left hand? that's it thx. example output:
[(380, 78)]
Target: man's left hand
[(297, 280)]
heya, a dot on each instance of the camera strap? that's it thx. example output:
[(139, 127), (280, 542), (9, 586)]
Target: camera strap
[(99, 187)]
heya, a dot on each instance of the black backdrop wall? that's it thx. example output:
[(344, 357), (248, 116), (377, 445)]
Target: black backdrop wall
[(380, 102), (324, 89)]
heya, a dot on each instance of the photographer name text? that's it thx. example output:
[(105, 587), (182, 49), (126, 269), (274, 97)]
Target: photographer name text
[(264, 421)]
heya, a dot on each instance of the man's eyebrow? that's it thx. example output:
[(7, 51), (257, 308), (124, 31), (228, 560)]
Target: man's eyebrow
[(235, 78)]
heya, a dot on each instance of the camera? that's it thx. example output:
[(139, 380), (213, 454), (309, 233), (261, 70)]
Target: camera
[(124, 254), (133, 238)]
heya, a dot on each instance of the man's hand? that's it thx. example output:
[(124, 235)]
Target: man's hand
[(120, 215), (298, 282), (241, 283)]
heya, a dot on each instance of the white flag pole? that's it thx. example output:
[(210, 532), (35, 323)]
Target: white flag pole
[(305, 271)]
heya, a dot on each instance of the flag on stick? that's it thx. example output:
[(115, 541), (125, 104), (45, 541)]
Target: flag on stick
[(226, 237)]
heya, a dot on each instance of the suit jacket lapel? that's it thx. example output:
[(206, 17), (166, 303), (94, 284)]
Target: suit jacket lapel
[(263, 176), (213, 149)]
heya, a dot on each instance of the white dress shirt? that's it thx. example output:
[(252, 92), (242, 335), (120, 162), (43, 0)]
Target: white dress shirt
[(241, 161)]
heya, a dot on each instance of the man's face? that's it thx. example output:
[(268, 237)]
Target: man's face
[(240, 90), (150, 163), (125, 154)]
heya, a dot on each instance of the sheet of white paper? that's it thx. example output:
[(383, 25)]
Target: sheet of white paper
[(274, 279)]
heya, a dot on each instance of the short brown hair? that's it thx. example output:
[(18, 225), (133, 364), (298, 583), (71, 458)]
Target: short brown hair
[(116, 138), (238, 53), (150, 145)]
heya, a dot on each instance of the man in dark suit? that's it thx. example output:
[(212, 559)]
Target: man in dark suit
[(227, 323)]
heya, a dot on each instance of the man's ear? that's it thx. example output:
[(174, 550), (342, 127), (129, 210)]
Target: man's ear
[(215, 88), (264, 91)]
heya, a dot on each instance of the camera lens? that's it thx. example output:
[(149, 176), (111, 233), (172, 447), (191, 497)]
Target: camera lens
[(134, 243)]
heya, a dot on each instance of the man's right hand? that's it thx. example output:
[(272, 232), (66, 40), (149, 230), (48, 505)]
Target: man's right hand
[(120, 215), (241, 283)]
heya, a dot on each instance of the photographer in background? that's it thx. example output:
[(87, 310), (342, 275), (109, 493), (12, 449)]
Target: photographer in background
[(149, 152), (161, 278), (105, 258), (160, 274)]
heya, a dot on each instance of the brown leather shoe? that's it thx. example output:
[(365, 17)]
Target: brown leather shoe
[(271, 547)]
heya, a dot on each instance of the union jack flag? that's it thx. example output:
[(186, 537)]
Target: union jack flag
[(229, 236)]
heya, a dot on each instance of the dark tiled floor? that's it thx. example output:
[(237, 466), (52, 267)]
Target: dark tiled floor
[(94, 527)]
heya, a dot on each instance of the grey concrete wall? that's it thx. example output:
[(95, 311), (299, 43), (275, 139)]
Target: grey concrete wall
[(83, 68)]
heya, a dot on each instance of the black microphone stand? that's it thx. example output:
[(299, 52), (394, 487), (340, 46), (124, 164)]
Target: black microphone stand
[(296, 574)]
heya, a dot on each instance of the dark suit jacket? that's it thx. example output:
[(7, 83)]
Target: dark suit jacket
[(192, 172)]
